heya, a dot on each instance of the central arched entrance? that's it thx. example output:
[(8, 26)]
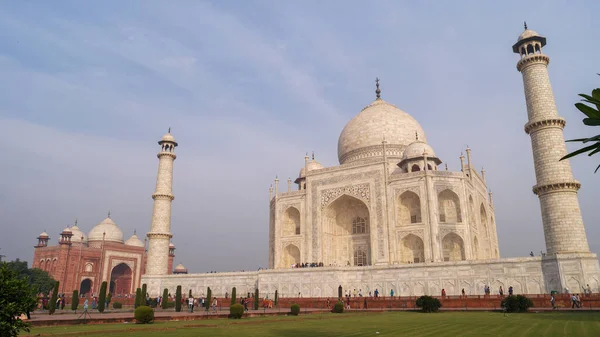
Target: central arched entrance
[(346, 233), (85, 287), (120, 279)]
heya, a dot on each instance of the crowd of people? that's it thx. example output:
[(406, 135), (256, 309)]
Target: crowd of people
[(308, 265)]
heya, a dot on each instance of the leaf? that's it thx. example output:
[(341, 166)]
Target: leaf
[(596, 170), (591, 121), (595, 151), (580, 151), (588, 110), (578, 140), (596, 93), (595, 138)]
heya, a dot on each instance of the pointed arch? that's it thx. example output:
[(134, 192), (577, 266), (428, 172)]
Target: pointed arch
[(121, 277), (415, 168), (291, 256), (409, 208), (453, 247), (472, 211), (449, 207), (484, 232), (412, 249), (475, 248), (346, 227), (291, 221)]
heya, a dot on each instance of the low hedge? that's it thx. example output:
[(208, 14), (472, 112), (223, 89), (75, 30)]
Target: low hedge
[(428, 304), (518, 303), (144, 315), (236, 311), (294, 309), (117, 305), (338, 308)]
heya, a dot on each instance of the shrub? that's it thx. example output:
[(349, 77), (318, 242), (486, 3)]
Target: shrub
[(208, 298), (75, 300), (138, 298), (338, 308), (102, 297), (178, 299), (108, 298), (233, 296), (256, 299), (165, 298), (294, 309), (52, 304), (153, 302), (517, 303), (143, 315), (117, 305), (428, 304), (169, 305), (236, 311), (276, 298)]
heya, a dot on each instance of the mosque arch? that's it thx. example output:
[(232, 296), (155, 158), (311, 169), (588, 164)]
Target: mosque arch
[(412, 249), (449, 207), (54, 265), (484, 232), (472, 211), (453, 246), (415, 168), (410, 208), (291, 221), (346, 231), (475, 248), (85, 287), (291, 256), (89, 267), (121, 278), (529, 49)]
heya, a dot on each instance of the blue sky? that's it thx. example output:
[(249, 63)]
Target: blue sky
[(248, 88)]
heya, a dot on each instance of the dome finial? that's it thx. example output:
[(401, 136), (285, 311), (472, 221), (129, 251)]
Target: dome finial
[(75, 221), (377, 91), (525, 24), (135, 232), (169, 129), (109, 213), (313, 155)]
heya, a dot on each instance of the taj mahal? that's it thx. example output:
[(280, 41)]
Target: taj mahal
[(391, 216)]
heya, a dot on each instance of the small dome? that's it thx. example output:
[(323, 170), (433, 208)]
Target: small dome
[(416, 150), (363, 135), (312, 165), (168, 137), (527, 34), (180, 267), (43, 234), (77, 235), (66, 230), (171, 245), (135, 241), (113, 232)]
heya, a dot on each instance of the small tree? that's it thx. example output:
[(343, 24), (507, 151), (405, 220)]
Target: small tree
[(143, 315), (102, 298), (338, 308), (17, 297), (52, 304), (165, 298), (233, 296), (518, 303), (276, 298), (144, 294), (138, 298), (75, 300), (108, 298), (256, 299), (178, 299), (208, 298), (294, 309), (428, 304), (592, 119)]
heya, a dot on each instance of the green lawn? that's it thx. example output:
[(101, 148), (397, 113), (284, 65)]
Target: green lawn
[(357, 324)]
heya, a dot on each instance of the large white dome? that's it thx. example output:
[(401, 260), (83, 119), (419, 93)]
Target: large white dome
[(363, 135), (113, 232), (78, 235)]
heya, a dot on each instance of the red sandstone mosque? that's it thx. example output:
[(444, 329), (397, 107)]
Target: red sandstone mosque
[(84, 262)]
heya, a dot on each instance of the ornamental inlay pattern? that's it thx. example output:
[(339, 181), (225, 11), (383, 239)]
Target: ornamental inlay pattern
[(360, 191), (417, 232)]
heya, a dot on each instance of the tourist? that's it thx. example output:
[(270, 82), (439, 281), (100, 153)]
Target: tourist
[(574, 302), (589, 290), (370, 294), (85, 305), (463, 292), (553, 302), (510, 291), (443, 293), (327, 303), (365, 304), (392, 293), (501, 291), (191, 304), (348, 303), (245, 301), (376, 293), (214, 305), (578, 301), (359, 292)]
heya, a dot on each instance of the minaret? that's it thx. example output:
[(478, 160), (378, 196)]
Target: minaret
[(159, 237), (555, 186)]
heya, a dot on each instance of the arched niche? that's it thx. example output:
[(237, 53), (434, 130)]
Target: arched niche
[(85, 287), (346, 228), (453, 247), (475, 248), (412, 249), (121, 278), (484, 232), (291, 221), (449, 207), (291, 256), (410, 208)]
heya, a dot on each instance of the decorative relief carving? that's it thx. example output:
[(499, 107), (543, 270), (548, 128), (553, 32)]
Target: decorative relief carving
[(361, 191), (417, 232), (439, 188), (414, 189), (459, 231)]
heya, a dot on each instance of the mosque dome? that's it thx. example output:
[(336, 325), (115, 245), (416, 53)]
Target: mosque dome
[(312, 165), (113, 232), (135, 241), (416, 150), (180, 269), (527, 34), (77, 235), (362, 137), (43, 234), (67, 230), (168, 137)]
